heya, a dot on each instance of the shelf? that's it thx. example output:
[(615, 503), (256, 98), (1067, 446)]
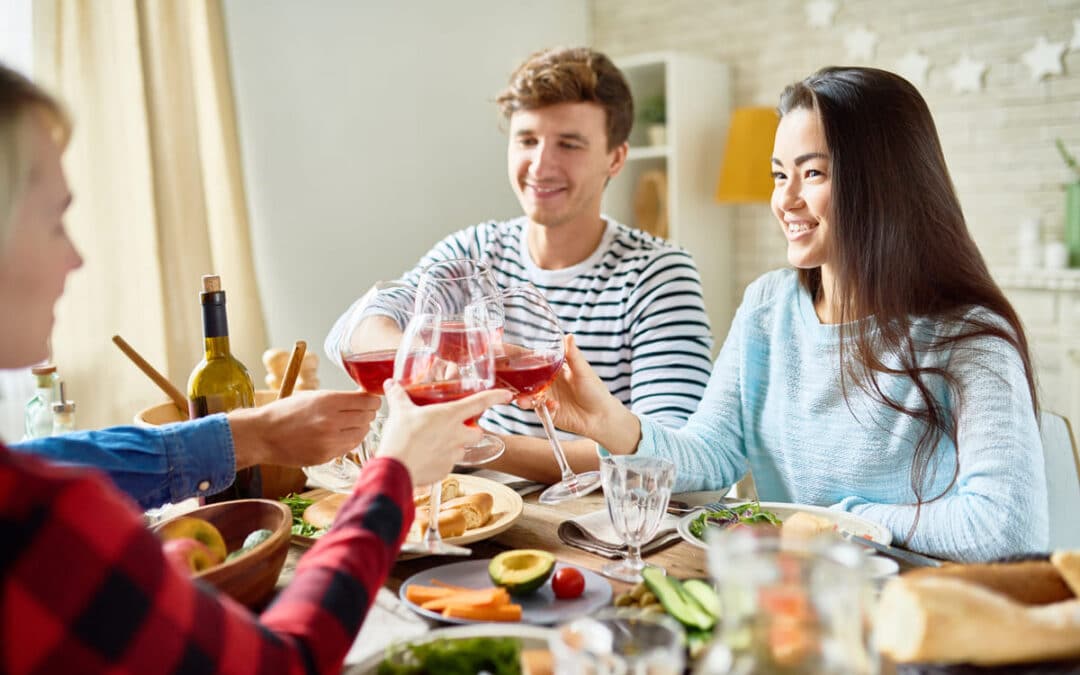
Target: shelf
[(1038, 279), (647, 152)]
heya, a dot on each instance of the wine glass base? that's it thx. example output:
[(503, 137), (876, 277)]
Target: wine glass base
[(337, 475), (579, 486), (435, 548), (489, 448), (623, 570)]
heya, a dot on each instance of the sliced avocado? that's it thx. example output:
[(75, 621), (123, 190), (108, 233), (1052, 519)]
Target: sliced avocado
[(521, 571), (676, 601), (704, 594)]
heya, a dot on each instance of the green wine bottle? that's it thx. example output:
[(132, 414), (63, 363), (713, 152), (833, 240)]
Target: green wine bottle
[(221, 383)]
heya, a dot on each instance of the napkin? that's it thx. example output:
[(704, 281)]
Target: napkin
[(593, 532), (516, 483)]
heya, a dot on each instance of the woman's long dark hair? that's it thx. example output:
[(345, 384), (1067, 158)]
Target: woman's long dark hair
[(901, 250)]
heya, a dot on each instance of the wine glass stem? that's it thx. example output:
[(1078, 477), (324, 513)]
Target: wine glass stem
[(540, 405), (633, 556), (432, 538)]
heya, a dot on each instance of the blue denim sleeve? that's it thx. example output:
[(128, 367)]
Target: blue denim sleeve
[(155, 465)]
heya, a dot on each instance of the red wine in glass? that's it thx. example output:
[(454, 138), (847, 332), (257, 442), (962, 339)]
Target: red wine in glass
[(441, 392), (371, 369), (527, 373)]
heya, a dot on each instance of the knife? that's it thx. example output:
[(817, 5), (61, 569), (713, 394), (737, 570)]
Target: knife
[(910, 557)]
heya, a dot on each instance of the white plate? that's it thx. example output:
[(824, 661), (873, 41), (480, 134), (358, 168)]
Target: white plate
[(541, 607), (855, 524), (532, 637)]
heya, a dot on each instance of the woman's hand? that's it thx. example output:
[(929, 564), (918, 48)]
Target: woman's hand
[(430, 439), (307, 428)]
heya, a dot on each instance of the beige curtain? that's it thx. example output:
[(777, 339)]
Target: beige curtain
[(159, 199)]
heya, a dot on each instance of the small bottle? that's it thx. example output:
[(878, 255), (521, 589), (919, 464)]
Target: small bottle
[(39, 415), (63, 414), (220, 383)]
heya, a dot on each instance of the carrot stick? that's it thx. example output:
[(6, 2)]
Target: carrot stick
[(489, 597), (500, 613), (443, 584), (421, 594)]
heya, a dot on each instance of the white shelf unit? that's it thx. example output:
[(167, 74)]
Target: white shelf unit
[(697, 94)]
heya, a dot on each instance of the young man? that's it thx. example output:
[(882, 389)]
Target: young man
[(632, 301)]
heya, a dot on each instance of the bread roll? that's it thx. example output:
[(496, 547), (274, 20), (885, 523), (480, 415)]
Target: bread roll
[(1028, 583), (935, 619), (451, 488), (803, 526), (322, 513), (451, 523), (537, 662), (476, 508), (1067, 564)]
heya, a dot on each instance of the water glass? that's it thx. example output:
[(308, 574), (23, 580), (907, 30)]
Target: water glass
[(636, 491), (616, 642), (789, 607)]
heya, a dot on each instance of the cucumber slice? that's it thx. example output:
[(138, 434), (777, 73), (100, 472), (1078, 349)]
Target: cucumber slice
[(676, 600)]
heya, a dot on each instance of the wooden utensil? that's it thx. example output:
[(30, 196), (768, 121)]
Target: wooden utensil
[(288, 381), (171, 391)]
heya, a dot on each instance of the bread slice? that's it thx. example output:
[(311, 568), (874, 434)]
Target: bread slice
[(322, 513), (476, 507), (451, 488), (451, 523), (1068, 566)]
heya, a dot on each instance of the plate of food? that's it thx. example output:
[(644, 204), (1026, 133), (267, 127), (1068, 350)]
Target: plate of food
[(472, 509), (488, 647), (796, 520), (534, 589)]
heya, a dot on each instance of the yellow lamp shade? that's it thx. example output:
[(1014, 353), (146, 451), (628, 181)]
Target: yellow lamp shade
[(745, 175)]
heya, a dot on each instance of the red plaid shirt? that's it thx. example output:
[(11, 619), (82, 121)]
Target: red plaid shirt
[(85, 587)]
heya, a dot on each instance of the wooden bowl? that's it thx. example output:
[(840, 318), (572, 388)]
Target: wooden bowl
[(277, 481), (249, 578)]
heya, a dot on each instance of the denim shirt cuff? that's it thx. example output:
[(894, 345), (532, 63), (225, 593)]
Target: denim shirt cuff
[(201, 458)]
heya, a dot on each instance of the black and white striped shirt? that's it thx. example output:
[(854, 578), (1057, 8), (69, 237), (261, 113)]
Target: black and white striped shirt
[(634, 306)]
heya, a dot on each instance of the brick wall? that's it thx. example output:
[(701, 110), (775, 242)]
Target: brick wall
[(998, 142)]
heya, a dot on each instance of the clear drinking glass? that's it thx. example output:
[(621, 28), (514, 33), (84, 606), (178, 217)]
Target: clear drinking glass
[(636, 490), (789, 607), (616, 642), (449, 287), (365, 342), (431, 373), (528, 360)]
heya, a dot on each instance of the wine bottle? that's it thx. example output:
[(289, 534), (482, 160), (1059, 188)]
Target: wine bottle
[(221, 383)]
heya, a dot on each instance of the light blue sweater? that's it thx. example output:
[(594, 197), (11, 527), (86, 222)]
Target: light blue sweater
[(774, 406)]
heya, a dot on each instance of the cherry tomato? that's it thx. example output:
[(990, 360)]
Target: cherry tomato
[(568, 583)]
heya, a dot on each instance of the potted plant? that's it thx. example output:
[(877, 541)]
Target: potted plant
[(653, 115), (1072, 207)]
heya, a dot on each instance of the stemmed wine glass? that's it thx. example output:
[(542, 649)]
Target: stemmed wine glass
[(529, 357), (636, 491), (450, 287), (431, 373), (365, 342)]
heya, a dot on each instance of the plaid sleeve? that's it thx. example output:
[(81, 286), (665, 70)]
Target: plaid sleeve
[(85, 587)]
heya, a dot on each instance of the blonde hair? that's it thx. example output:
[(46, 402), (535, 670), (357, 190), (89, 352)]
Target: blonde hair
[(20, 101)]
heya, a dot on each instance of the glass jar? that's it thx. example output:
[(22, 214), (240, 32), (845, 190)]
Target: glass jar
[(39, 415)]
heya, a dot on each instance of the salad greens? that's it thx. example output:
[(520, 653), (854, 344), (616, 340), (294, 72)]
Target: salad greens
[(300, 526), (498, 656), (750, 513)]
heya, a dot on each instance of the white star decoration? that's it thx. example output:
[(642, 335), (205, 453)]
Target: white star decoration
[(913, 67), (967, 75), (860, 44), (1075, 44), (1044, 58), (819, 13)]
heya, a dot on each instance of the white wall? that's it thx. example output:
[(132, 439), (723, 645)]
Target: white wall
[(368, 132)]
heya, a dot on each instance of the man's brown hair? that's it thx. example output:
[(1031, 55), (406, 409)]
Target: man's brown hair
[(572, 75)]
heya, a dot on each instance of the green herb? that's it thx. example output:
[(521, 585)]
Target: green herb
[(1070, 161), (498, 656), (750, 513), (298, 505)]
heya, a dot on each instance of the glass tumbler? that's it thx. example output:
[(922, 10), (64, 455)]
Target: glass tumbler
[(617, 642)]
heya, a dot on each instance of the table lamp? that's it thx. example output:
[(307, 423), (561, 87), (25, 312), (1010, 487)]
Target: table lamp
[(744, 174)]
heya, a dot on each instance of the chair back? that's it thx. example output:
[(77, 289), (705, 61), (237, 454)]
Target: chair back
[(1062, 481)]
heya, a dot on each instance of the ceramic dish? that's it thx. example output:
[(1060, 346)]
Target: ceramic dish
[(541, 607), (848, 521)]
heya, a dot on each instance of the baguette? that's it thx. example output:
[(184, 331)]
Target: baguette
[(451, 523), (476, 508), (1068, 565), (451, 488), (322, 513), (939, 619), (1028, 583)]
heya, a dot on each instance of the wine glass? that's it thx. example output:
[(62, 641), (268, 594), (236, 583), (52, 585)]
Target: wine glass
[(364, 341), (430, 373), (636, 491), (529, 357), (449, 287)]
